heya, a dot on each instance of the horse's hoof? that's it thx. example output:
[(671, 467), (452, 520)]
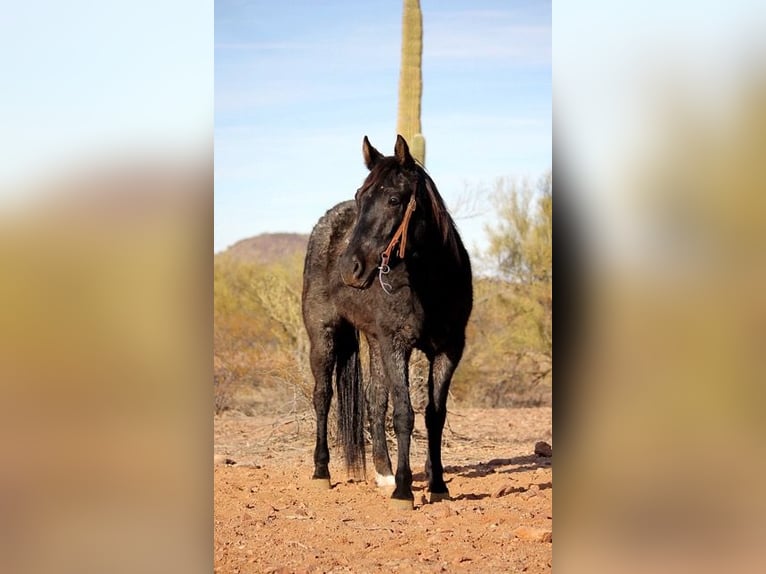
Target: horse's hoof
[(438, 497), (402, 503), (321, 483)]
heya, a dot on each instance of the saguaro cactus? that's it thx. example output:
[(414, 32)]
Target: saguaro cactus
[(411, 80)]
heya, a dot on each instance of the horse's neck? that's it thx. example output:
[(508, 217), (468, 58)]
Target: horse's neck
[(434, 259)]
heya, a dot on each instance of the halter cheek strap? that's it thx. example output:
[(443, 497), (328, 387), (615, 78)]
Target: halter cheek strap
[(401, 232), (399, 237)]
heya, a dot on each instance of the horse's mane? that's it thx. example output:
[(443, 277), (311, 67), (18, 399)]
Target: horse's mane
[(426, 190), (442, 218)]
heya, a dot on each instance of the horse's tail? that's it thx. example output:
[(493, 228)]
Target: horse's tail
[(348, 380)]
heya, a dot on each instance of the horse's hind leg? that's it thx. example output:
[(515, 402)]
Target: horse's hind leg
[(377, 409), (439, 377), (322, 358)]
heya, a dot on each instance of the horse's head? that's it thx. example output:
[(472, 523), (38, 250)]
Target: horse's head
[(383, 212)]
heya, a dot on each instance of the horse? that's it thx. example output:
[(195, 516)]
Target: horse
[(391, 265)]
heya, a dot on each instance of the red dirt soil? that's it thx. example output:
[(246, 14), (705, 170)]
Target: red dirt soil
[(270, 519)]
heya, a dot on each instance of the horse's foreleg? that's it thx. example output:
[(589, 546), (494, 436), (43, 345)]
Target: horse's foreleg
[(439, 377), (322, 360), (396, 361), (377, 409)]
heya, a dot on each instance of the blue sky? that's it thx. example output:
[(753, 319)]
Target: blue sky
[(298, 84)]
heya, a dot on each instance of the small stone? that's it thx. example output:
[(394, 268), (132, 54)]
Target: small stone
[(442, 510), (533, 534), (543, 449), (529, 493), (506, 490), (223, 459)]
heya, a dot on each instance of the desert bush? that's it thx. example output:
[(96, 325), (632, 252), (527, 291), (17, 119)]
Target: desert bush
[(279, 292), (502, 364), (260, 349), (509, 352)]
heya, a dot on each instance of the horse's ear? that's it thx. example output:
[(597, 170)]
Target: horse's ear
[(402, 151), (371, 155)]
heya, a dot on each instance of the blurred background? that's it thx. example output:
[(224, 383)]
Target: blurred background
[(106, 181), (107, 250), (659, 139)]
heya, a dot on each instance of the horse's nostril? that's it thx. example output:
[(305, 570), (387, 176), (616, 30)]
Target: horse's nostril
[(358, 269)]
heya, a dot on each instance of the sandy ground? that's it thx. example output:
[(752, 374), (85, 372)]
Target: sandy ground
[(270, 519)]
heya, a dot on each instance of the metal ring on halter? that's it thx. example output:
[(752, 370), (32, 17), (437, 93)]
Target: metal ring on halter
[(384, 269)]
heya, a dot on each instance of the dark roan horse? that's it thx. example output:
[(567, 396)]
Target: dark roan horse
[(391, 265)]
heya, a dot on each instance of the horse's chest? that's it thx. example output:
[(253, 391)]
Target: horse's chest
[(397, 314), (405, 313)]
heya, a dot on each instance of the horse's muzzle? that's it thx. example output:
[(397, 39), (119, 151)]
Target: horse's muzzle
[(354, 272)]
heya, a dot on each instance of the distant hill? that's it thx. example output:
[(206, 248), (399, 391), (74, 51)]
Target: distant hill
[(268, 247)]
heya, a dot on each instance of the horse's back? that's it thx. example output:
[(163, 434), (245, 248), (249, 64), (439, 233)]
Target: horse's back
[(319, 269), (326, 236)]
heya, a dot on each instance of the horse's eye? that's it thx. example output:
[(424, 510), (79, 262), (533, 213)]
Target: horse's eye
[(393, 200)]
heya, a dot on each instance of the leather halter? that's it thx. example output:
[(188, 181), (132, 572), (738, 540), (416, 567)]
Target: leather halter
[(401, 233), (399, 237)]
